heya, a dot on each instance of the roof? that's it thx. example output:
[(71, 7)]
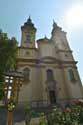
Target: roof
[(45, 39)]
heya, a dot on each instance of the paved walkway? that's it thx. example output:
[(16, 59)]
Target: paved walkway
[(34, 121)]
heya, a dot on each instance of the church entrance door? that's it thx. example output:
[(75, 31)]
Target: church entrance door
[(52, 96)]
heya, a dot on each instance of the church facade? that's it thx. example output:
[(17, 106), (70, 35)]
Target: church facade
[(50, 71)]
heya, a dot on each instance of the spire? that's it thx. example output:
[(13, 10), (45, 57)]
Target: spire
[(45, 37), (55, 27), (54, 24), (29, 24), (29, 21)]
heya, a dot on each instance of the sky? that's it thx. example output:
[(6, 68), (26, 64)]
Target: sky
[(68, 14)]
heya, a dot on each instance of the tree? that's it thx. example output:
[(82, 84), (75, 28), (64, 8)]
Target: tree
[(8, 51)]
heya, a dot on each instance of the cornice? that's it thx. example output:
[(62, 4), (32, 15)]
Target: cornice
[(68, 62), (52, 60), (27, 60), (43, 66), (32, 65), (46, 60), (65, 51), (22, 47)]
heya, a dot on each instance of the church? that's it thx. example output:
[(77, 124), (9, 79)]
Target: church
[(50, 72)]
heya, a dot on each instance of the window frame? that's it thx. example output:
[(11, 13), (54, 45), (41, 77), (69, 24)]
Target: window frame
[(26, 72), (71, 75)]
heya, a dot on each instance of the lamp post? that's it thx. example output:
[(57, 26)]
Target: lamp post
[(13, 82)]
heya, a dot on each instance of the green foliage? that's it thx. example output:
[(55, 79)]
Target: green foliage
[(72, 115), (43, 120), (11, 105), (8, 50), (28, 113)]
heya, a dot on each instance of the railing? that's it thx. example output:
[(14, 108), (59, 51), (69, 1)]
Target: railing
[(45, 104), (33, 104)]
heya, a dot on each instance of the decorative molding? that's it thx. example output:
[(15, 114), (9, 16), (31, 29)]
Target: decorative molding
[(62, 67), (22, 47), (32, 65), (69, 62), (27, 60), (45, 61), (65, 51)]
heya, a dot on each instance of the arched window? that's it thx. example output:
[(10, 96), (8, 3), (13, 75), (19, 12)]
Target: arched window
[(71, 75), (26, 73), (50, 76)]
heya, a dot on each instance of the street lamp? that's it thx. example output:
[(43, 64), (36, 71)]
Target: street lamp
[(13, 82)]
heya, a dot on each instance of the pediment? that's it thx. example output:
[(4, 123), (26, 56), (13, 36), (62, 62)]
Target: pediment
[(48, 59)]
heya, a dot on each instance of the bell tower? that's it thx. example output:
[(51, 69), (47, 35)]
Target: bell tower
[(28, 34)]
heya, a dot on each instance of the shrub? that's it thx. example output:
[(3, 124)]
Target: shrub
[(72, 115)]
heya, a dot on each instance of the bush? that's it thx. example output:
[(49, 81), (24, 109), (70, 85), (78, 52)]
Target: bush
[(72, 115)]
